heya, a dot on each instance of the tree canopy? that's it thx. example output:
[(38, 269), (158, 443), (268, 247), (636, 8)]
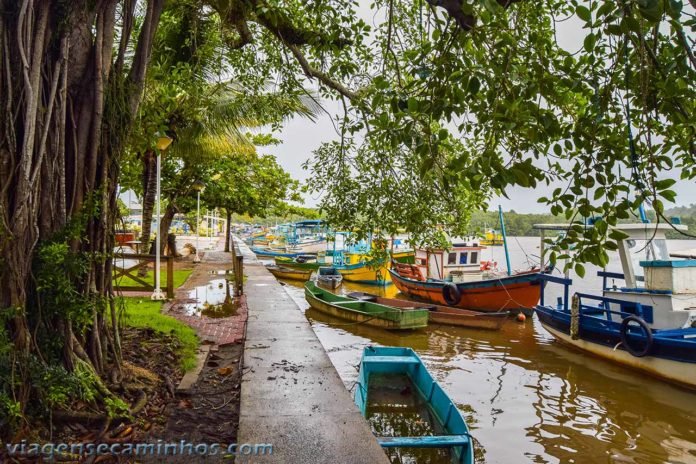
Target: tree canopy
[(447, 103)]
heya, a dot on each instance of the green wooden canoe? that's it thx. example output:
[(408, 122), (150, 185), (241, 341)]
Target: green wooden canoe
[(364, 312)]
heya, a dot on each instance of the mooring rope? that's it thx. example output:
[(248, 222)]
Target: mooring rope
[(575, 317)]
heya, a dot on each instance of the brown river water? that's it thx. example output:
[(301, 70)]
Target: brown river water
[(525, 397)]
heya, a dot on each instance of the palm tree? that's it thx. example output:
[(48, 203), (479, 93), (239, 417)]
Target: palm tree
[(206, 119)]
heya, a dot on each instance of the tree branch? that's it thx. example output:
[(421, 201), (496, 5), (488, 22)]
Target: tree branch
[(465, 20), (323, 77), (685, 44), (245, 36)]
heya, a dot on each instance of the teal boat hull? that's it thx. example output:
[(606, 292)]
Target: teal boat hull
[(396, 360)]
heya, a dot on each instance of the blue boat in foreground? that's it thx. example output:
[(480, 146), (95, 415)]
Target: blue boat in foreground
[(644, 319), (388, 366)]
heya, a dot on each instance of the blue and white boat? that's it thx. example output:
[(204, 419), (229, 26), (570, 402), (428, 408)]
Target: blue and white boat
[(265, 252), (388, 366), (643, 318), (294, 239)]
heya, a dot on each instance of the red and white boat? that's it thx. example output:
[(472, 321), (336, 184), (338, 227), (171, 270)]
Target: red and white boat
[(457, 277)]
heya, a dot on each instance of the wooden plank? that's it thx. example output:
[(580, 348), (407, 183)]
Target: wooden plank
[(135, 278), (135, 255), (437, 441)]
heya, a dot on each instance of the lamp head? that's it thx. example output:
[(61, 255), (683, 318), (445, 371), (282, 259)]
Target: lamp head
[(163, 141), (198, 186)]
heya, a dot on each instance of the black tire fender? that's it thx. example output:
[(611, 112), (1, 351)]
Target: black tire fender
[(451, 294), (649, 339)]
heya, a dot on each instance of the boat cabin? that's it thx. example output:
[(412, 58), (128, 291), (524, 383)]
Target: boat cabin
[(653, 283), (460, 263), (307, 231), (345, 251)]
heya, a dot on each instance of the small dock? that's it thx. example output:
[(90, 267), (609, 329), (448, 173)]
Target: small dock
[(292, 396)]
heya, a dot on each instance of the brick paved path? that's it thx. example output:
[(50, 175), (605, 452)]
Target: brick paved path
[(218, 331)]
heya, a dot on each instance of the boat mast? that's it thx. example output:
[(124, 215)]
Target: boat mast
[(502, 229)]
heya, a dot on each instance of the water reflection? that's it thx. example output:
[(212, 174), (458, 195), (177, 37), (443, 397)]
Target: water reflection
[(212, 300), (527, 398), (395, 409)]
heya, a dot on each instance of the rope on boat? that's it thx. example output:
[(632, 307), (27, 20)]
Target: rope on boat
[(575, 317), (366, 320), (510, 298)]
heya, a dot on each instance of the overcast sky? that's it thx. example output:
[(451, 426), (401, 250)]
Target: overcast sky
[(301, 136)]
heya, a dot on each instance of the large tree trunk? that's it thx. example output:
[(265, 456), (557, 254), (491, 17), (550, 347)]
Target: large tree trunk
[(58, 167)]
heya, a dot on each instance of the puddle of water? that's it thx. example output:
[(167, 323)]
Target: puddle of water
[(212, 300)]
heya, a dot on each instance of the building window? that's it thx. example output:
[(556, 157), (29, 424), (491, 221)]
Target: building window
[(452, 258), (422, 261), (463, 257), (474, 257)]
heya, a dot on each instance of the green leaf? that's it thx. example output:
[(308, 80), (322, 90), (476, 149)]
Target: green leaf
[(658, 206), (474, 85), (583, 13), (589, 42), (490, 5), (580, 270), (617, 235), (669, 195), (652, 10), (664, 184), (674, 8)]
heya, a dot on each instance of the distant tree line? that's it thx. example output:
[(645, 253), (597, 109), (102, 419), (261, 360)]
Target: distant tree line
[(516, 224), (521, 224)]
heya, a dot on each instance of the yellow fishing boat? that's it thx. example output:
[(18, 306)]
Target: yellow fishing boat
[(289, 274), (356, 268), (491, 238)]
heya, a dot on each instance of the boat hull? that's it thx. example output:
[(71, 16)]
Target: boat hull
[(290, 274), (512, 294), (265, 253), (606, 344), (328, 282), (399, 361), (360, 313), (292, 264), (445, 315), (362, 273)]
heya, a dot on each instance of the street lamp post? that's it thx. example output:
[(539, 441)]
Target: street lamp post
[(163, 143), (198, 186)]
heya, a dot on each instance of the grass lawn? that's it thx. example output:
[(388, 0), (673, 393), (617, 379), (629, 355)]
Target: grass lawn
[(180, 277), (142, 313)]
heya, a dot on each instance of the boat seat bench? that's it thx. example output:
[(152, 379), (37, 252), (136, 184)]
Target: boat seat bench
[(437, 441), (390, 359)]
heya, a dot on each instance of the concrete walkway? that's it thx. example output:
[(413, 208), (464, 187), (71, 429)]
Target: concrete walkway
[(292, 396)]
